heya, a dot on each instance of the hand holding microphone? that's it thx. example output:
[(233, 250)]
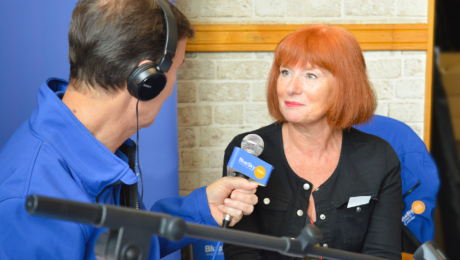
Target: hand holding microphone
[(244, 163), (241, 201)]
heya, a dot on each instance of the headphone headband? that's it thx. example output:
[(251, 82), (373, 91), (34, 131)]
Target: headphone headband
[(171, 37), (148, 80)]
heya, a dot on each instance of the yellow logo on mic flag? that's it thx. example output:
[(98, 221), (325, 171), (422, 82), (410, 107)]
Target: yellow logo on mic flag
[(259, 172)]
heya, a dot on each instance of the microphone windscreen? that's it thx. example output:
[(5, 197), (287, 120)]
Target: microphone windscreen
[(253, 144)]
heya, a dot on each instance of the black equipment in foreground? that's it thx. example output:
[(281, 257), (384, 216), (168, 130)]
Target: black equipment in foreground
[(131, 231)]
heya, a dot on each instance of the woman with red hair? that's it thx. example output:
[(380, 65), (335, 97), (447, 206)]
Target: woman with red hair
[(326, 172)]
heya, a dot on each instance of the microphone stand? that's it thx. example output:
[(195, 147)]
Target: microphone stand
[(131, 231)]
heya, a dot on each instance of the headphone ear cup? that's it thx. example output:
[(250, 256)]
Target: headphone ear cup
[(146, 82)]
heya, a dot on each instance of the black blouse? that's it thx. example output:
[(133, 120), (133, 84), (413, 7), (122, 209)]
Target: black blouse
[(368, 166)]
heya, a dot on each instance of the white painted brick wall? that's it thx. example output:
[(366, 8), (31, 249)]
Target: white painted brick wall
[(304, 11), (221, 95), (369, 7), (212, 110)]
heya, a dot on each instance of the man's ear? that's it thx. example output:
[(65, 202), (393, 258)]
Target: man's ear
[(143, 62)]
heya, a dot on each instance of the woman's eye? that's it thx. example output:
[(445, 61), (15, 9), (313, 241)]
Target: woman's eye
[(311, 76), (285, 73)]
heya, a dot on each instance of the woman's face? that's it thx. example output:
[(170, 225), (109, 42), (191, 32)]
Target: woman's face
[(304, 93)]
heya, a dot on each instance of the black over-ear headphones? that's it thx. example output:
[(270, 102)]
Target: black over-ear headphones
[(148, 80)]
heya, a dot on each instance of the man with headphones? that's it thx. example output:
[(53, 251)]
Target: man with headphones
[(124, 55)]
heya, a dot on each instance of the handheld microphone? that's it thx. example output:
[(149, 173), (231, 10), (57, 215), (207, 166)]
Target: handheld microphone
[(244, 163)]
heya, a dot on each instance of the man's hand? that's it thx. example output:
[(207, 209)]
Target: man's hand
[(240, 203)]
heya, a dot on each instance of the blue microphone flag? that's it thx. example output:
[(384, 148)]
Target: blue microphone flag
[(251, 166)]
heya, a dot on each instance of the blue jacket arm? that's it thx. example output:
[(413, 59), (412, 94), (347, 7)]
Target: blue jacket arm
[(193, 208)]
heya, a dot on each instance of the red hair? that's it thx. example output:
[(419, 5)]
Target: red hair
[(336, 50)]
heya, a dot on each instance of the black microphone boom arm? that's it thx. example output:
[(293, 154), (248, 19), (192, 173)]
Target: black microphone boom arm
[(131, 231)]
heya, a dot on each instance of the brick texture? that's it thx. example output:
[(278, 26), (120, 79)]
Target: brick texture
[(304, 11), (370, 7)]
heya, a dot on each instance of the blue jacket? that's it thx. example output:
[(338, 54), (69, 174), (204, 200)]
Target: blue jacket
[(420, 180), (53, 154)]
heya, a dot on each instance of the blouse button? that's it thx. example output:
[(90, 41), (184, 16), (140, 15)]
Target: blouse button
[(317, 189), (325, 245), (322, 217), (306, 186), (266, 201), (358, 209), (300, 213)]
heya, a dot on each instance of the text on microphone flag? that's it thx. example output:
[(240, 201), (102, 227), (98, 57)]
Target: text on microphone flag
[(249, 165)]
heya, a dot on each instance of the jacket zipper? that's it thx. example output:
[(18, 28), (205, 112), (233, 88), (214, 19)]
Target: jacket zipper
[(412, 189)]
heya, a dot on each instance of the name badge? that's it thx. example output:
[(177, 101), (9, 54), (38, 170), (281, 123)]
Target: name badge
[(357, 201)]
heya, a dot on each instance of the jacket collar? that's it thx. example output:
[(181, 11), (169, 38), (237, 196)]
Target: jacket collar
[(88, 159)]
